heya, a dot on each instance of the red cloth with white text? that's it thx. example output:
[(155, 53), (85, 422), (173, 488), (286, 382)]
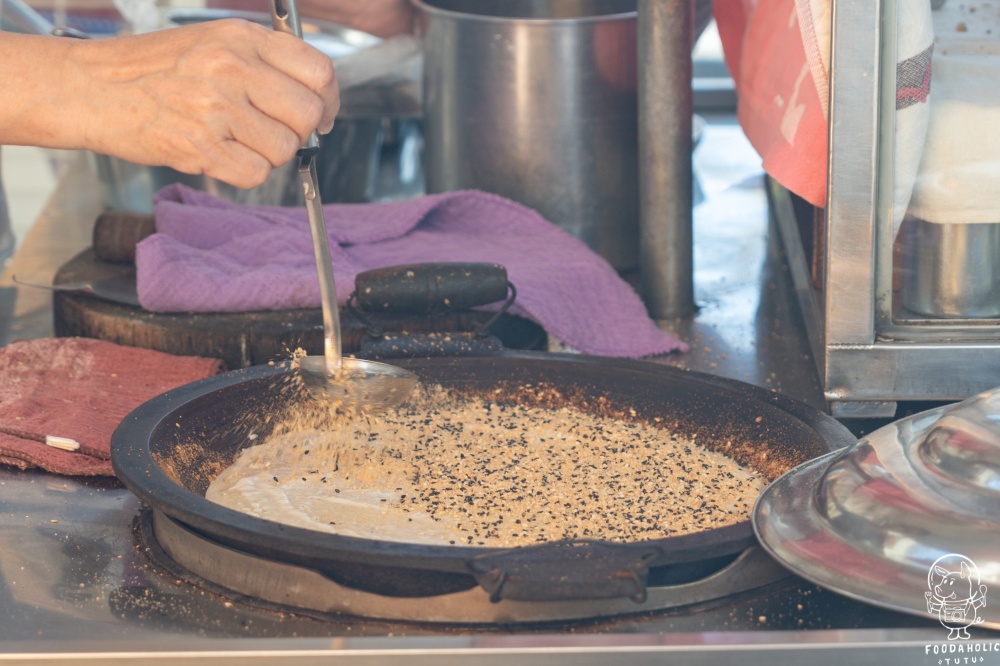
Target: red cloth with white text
[(779, 107), (79, 389), (779, 54)]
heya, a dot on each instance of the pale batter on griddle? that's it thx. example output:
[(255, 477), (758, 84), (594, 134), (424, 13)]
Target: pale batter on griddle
[(474, 472)]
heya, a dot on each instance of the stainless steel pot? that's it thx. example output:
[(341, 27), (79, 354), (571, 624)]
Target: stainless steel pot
[(951, 271), (537, 101)]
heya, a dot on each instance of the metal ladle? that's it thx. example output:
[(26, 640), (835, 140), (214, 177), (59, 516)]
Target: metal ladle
[(355, 384)]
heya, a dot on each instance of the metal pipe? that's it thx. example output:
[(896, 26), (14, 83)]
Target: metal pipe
[(665, 29), (16, 16)]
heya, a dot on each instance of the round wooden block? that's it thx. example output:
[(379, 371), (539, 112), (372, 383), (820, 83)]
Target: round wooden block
[(239, 339)]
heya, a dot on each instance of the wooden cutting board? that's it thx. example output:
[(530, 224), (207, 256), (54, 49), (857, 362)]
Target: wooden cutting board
[(240, 339)]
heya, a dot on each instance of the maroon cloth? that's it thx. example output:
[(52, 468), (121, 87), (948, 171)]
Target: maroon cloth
[(80, 389)]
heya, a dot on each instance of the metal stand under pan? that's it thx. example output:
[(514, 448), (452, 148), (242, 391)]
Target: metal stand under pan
[(294, 587)]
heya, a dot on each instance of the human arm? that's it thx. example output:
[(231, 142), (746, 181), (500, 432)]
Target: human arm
[(229, 99)]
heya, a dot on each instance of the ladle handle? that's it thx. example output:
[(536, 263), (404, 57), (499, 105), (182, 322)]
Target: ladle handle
[(324, 263), (285, 18)]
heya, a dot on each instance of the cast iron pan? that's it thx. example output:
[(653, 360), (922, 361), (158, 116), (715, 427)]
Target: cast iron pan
[(169, 449)]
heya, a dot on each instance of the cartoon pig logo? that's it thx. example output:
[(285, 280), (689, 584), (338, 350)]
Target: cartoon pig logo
[(955, 592)]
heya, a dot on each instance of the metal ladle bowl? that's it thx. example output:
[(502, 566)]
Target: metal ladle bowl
[(374, 386), (350, 384)]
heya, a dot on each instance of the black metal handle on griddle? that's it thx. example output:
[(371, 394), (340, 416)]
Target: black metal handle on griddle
[(567, 571), (429, 289)]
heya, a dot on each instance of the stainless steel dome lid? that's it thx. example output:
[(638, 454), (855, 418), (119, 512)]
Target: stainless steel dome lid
[(908, 518)]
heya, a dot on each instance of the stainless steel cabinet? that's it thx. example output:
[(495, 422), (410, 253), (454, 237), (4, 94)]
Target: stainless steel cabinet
[(861, 287)]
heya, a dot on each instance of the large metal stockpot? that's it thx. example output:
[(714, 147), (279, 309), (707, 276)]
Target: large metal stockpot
[(170, 449), (537, 101)]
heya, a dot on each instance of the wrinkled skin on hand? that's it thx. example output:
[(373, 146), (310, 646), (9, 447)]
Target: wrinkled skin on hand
[(229, 99)]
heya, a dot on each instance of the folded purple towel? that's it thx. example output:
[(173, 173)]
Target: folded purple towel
[(211, 255)]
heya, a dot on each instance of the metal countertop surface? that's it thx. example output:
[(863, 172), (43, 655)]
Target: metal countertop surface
[(77, 585)]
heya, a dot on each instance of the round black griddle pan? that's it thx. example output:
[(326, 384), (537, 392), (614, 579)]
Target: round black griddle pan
[(169, 449)]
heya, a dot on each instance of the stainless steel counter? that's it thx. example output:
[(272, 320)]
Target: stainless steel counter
[(77, 585)]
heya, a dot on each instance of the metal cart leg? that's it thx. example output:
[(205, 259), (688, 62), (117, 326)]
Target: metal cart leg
[(665, 29)]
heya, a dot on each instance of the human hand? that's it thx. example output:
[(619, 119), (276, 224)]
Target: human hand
[(229, 99)]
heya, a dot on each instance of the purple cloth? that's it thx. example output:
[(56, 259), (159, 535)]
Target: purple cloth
[(211, 255)]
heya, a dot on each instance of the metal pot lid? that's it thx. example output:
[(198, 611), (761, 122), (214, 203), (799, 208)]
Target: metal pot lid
[(907, 518)]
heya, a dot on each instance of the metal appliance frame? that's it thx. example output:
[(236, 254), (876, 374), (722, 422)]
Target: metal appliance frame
[(869, 353)]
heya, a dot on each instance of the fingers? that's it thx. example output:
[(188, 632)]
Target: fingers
[(229, 98), (275, 96), (196, 146), (310, 68), (294, 106), (238, 165), (279, 73), (289, 91)]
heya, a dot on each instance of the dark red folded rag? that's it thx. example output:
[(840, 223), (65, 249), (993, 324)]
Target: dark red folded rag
[(79, 389)]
